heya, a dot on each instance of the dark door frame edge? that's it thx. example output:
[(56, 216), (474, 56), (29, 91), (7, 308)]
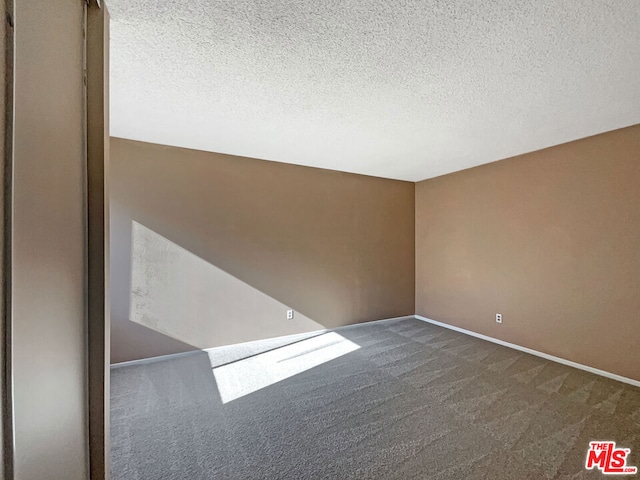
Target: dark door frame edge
[(6, 402), (97, 236)]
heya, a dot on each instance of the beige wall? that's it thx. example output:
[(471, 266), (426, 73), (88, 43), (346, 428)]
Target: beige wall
[(550, 239), (48, 243), (243, 241)]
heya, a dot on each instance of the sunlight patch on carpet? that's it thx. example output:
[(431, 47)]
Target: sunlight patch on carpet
[(246, 376)]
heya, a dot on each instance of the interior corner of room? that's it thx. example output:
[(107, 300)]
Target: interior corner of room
[(548, 239)]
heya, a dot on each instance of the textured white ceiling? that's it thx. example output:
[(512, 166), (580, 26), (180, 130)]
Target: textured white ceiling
[(406, 89)]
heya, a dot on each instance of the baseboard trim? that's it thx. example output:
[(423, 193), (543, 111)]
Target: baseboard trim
[(283, 337), (312, 333), (153, 359), (393, 319), (553, 358)]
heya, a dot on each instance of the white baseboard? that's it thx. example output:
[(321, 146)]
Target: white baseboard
[(284, 338), (553, 358), (153, 359), (406, 317), (296, 336)]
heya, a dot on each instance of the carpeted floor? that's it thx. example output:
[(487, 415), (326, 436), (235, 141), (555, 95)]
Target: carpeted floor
[(415, 401)]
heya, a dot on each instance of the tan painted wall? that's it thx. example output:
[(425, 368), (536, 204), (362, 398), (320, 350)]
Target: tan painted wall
[(48, 244), (550, 239), (243, 240)]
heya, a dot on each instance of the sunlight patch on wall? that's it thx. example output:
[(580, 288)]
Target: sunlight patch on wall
[(246, 376), (187, 298)]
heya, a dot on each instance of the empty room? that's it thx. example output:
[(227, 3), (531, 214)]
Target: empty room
[(374, 240)]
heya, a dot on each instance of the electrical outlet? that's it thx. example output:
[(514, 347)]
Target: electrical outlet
[(289, 314), (498, 317)]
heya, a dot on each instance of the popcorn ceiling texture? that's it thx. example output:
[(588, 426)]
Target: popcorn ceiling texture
[(406, 89)]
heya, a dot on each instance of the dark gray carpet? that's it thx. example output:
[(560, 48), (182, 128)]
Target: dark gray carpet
[(416, 401)]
